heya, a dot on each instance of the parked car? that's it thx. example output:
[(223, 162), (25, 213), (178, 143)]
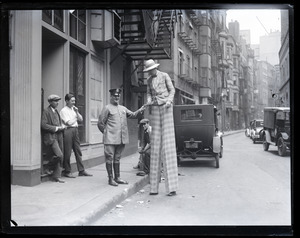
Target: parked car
[(277, 129), (196, 132), (256, 132)]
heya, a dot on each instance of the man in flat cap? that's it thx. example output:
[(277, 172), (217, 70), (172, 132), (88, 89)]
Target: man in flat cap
[(52, 132), (145, 147), (112, 122), (160, 95)]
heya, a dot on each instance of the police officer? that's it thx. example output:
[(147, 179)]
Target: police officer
[(112, 122)]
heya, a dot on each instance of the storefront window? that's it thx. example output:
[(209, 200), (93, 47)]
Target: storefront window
[(77, 87), (78, 25)]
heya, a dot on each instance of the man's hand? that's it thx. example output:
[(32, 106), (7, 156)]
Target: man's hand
[(60, 128), (168, 104), (75, 109)]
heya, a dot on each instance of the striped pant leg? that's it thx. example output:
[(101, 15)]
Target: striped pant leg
[(169, 149), (155, 159)]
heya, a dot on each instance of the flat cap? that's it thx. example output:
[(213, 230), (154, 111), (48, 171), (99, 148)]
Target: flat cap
[(53, 97), (115, 91), (143, 121)]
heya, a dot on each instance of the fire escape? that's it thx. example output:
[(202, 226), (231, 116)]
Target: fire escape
[(146, 34)]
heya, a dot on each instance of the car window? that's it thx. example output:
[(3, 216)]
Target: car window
[(259, 124), (191, 115)]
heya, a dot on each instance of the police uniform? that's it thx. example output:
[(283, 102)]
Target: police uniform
[(112, 122)]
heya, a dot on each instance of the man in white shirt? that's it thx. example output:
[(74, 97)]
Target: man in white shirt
[(70, 115)]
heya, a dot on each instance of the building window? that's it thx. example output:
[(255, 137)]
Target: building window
[(78, 25), (180, 62), (188, 67), (54, 18), (77, 87), (235, 99)]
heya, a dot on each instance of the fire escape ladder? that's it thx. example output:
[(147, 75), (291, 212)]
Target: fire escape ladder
[(217, 48), (165, 30)]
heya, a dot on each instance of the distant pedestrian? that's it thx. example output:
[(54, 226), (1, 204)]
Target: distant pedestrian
[(52, 132), (112, 122), (145, 150), (70, 115), (160, 95)]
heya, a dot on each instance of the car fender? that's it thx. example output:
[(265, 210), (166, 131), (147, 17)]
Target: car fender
[(268, 136), (284, 135), (216, 144), (261, 132)]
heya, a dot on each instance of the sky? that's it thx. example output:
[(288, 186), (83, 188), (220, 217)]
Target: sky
[(248, 19)]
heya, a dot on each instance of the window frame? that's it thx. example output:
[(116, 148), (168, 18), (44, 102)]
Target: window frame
[(77, 21)]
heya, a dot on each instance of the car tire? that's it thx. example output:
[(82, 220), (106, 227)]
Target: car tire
[(281, 147), (221, 152), (179, 160), (265, 143), (217, 161)]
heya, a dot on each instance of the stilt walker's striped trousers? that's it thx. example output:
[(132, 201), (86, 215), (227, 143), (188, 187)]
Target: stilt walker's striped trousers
[(163, 149)]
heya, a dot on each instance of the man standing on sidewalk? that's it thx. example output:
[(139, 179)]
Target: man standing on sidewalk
[(112, 122), (52, 130), (70, 115)]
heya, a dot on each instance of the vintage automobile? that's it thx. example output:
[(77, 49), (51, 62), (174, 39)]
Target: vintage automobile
[(256, 131), (196, 132), (277, 129)]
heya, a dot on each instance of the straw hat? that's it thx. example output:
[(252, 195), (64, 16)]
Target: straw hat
[(150, 64)]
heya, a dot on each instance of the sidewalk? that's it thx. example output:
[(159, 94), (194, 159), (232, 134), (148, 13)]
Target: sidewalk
[(79, 200)]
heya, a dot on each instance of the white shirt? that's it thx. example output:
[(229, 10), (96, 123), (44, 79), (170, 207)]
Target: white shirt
[(68, 114)]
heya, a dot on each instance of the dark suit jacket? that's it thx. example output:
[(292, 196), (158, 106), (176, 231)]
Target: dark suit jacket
[(49, 124)]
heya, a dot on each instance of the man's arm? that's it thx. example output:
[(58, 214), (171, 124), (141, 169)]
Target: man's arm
[(79, 117), (102, 119), (45, 124), (136, 114), (170, 87)]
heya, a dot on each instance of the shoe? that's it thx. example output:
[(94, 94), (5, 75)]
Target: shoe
[(112, 182), (69, 175), (84, 173), (47, 171), (153, 193), (142, 173), (120, 181), (171, 193), (57, 180)]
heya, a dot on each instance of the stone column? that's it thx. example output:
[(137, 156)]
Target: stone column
[(25, 96)]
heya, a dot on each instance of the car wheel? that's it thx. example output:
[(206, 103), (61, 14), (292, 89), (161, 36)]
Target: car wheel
[(221, 152), (217, 161), (179, 161), (265, 143), (281, 146)]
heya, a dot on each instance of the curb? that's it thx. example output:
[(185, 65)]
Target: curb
[(97, 212)]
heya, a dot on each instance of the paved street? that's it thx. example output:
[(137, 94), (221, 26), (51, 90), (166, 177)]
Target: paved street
[(251, 187)]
